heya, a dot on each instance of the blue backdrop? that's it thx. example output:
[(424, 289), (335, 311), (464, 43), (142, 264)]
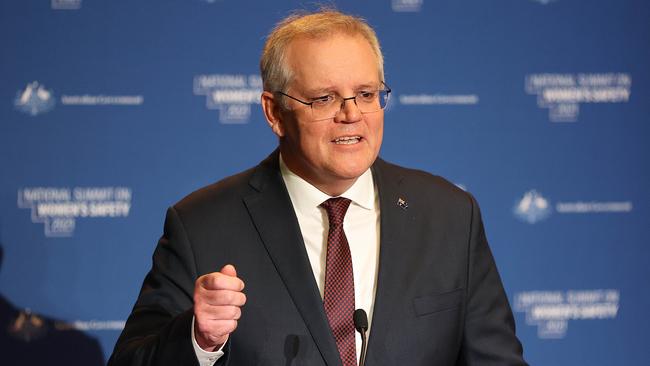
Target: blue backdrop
[(110, 111)]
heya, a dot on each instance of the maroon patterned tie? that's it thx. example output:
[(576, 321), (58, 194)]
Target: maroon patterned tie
[(339, 281)]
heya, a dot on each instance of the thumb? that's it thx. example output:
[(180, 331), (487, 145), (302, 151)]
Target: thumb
[(229, 270)]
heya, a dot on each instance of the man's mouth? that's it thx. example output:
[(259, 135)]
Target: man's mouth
[(347, 140)]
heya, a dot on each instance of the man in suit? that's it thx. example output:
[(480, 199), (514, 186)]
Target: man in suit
[(267, 266)]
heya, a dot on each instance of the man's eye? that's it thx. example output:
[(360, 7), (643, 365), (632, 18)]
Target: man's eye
[(367, 95), (324, 100)]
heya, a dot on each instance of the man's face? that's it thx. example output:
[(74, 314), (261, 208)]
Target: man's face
[(332, 153)]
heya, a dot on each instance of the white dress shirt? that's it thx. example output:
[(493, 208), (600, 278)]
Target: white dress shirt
[(361, 226)]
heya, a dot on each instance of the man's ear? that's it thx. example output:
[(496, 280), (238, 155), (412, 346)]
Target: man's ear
[(272, 112)]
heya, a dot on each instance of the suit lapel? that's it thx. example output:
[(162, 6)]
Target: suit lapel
[(273, 216), (392, 264)]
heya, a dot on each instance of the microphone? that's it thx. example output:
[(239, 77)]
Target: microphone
[(361, 323)]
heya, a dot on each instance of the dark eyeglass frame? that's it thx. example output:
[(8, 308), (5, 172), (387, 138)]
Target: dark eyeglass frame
[(387, 89)]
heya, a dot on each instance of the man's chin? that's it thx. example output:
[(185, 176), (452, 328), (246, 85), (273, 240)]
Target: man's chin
[(352, 171)]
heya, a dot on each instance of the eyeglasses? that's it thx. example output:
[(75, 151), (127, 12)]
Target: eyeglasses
[(328, 106)]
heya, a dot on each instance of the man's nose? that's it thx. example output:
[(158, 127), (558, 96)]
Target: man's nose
[(349, 112)]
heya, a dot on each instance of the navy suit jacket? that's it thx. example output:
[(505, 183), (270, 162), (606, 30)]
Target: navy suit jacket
[(439, 297)]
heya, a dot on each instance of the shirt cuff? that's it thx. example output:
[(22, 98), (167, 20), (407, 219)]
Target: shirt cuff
[(205, 358)]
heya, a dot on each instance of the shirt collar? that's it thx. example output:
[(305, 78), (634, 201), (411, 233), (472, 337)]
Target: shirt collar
[(305, 196)]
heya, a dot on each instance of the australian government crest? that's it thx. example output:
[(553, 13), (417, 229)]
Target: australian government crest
[(532, 207), (34, 99)]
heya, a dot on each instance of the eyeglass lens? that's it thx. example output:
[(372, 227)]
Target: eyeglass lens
[(366, 102)]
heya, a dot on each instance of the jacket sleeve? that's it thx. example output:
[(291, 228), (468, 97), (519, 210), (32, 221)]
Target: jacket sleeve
[(158, 331), (489, 333)]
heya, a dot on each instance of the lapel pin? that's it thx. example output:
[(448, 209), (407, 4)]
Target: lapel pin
[(402, 203)]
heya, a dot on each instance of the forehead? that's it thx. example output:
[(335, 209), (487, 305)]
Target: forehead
[(334, 61)]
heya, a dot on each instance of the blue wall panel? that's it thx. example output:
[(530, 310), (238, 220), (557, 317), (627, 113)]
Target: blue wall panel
[(112, 111)]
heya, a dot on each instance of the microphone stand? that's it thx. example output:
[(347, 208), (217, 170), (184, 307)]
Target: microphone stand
[(361, 324)]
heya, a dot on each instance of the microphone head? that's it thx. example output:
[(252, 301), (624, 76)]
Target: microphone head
[(360, 320)]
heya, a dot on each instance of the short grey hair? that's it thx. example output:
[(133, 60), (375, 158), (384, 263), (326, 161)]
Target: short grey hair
[(276, 73)]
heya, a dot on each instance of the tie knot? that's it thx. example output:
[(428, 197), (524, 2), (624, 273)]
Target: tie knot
[(336, 209)]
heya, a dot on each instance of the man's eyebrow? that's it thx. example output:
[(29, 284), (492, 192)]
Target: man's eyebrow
[(319, 91), (366, 86), (332, 89)]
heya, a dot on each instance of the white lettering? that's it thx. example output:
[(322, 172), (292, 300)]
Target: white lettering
[(594, 207), (57, 208), (45, 194), (439, 99), (65, 209), (102, 99), (109, 209), (62, 225), (93, 325), (240, 96), (94, 194), (205, 82)]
